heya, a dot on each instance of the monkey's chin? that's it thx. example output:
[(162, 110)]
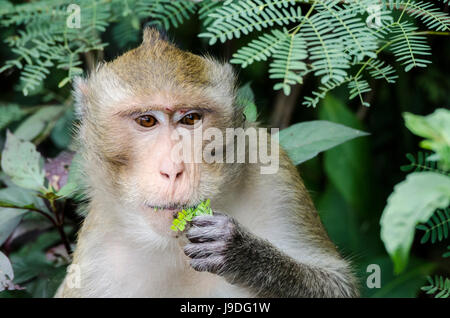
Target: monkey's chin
[(161, 220)]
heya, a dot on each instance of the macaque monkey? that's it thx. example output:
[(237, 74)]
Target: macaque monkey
[(264, 239)]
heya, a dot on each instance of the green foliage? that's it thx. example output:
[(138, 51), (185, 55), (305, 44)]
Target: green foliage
[(341, 221), (62, 130), (242, 17), (425, 11), (409, 47), (34, 125), (379, 70), (10, 113), (188, 214), (440, 286), (74, 187), (47, 36), (35, 270), (406, 284), (421, 163), (447, 254), (346, 164), (288, 59), (166, 13), (437, 227), (44, 40), (316, 136), (259, 49), (246, 99), (436, 128), (6, 272), (28, 195), (22, 163), (412, 201), (336, 35), (327, 40), (415, 200), (357, 87), (15, 202)]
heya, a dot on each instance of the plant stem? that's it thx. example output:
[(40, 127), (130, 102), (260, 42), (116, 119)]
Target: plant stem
[(57, 224)]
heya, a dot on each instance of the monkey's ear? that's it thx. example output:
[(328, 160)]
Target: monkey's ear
[(153, 35), (80, 90)]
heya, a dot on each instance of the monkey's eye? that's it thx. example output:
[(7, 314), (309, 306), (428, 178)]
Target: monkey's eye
[(146, 121), (190, 119)]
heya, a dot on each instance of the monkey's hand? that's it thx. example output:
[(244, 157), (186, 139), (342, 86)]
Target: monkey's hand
[(215, 241), (219, 245)]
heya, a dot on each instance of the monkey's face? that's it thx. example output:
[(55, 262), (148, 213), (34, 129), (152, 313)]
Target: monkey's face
[(165, 169), (139, 115)]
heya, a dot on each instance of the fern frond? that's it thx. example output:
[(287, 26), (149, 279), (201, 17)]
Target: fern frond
[(233, 10), (426, 11), (32, 76), (408, 46), (446, 254), (288, 60), (379, 70), (437, 227), (242, 17), (350, 29), (357, 87), (126, 31), (258, 49), (207, 7), (46, 40), (440, 286), (322, 91), (327, 52), (421, 163), (167, 12)]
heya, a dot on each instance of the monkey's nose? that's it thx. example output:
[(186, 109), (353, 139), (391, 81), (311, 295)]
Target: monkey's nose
[(171, 171)]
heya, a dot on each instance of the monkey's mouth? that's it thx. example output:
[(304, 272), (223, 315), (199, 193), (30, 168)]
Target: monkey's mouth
[(174, 208)]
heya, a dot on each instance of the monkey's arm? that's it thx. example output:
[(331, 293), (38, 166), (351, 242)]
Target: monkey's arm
[(220, 245)]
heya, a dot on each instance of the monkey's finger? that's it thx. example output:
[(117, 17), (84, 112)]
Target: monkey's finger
[(204, 249), (210, 264), (204, 220), (203, 234)]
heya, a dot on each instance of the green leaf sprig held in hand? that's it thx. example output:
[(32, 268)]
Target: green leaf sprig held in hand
[(186, 215)]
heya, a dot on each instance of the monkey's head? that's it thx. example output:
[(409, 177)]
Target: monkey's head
[(133, 112)]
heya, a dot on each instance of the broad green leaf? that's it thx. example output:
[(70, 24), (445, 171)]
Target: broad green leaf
[(62, 132), (6, 271), (305, 140), (33, 270), (36, 123), (9, 217), (436, 129), (347, 165), (413, 201), (9, 114), (247, 100), (22, 163)]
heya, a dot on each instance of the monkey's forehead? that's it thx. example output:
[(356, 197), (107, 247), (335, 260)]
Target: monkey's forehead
[(156, 67), (161, 64)]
